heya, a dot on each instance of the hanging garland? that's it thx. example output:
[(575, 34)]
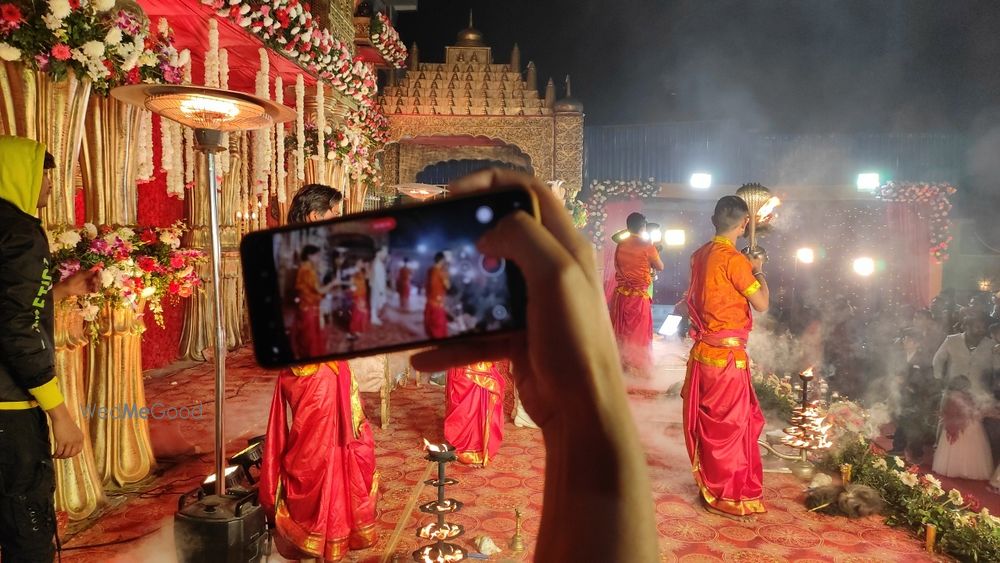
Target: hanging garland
[(932, 205), (594, 205)]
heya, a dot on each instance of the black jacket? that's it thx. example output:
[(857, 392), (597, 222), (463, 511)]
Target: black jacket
[(27, 351)]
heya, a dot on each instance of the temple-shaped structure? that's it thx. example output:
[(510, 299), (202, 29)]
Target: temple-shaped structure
[(470, 112)]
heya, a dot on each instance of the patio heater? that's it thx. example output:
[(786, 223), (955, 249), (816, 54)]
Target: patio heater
[(218, 527)]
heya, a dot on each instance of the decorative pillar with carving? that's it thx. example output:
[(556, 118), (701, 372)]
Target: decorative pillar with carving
[(52, 112), (123, 452), (78, 487)]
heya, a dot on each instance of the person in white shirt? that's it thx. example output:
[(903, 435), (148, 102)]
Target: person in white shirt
[(965, 353)]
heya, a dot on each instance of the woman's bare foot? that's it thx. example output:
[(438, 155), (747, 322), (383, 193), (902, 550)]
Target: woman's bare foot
[(717, 512)]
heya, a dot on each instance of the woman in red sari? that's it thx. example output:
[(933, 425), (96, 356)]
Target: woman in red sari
[(318, 481), (473, 422), (360, 318), (438, 283), (403, 285)]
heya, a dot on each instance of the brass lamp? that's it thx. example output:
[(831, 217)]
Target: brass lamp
[(760, 203), (420, 191), (210, 112)]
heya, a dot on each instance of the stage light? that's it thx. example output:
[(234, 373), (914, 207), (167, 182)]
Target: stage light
[(864, 266), (701, 181), (251, 456), (654, 233), (620, 236), (670, 325), (234, 474), (674, 237), (805, 255), (868, 181)]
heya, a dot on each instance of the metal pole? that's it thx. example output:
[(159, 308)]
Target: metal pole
[(206, 137)]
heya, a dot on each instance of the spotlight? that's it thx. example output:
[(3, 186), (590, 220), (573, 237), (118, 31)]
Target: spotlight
[(234, 475), (655, 233), (620, 236), (670, 325), (805, 255), (864, 266), (674, 237), (868, 181), (701, 181), (251, 456)]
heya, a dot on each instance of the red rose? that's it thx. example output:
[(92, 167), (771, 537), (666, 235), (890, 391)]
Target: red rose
[(146, 263), (61, 52), (173, 288), (74, 4), (177, 262), (133, 75), (11, 16), (234, 12)]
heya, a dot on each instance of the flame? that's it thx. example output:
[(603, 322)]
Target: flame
[(807, 374), (768, 208), (436, 448)]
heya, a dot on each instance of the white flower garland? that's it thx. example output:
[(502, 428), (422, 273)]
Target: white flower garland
[(261, 138), (320, 133), (189, 158), (300, 128), (177, 177), (167, 150), (212, 55), (144, 150), (279, 96), (224, 84)]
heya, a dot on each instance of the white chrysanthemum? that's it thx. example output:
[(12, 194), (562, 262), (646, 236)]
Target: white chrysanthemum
[(9, 52), (103, 5), (114, 36), (108, 276), (170, 239), (908, 479), (59, 8), (932, 480), (899, 462), (93, 49), (126, 233), (90, 229), (148, 292), (880, 463), (51, 22), (131, 60), (147, 58), (89, 312), (69, 239), (955, 497)]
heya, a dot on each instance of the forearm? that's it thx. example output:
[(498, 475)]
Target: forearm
[(600, 485)]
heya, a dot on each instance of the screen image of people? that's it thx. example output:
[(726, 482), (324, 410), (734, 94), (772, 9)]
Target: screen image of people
[(387, 281)]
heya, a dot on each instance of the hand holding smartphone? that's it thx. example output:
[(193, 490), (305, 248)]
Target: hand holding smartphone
[(382, 281)]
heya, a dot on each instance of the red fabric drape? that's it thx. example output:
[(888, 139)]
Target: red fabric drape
[(912, 258), (157, 209), (617, 212)]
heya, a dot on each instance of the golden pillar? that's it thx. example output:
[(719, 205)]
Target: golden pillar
[(122, 449), (52, 112), (110, 161), (78, 487)]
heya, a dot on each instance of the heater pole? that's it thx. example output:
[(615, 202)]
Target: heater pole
[(208, 141)]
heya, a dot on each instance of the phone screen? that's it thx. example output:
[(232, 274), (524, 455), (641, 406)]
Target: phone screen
[(381, 281)]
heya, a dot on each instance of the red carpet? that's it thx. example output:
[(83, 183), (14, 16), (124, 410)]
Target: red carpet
[(785, 534)]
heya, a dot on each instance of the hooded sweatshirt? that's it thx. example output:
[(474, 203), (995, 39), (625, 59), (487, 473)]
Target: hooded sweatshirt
[(27, 359)]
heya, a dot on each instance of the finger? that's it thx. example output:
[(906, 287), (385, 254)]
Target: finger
[(439, 359), (537, 253), (58, 453), (554, 216), (77, 448)]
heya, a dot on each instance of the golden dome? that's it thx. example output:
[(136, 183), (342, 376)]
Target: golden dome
[(470, 36)]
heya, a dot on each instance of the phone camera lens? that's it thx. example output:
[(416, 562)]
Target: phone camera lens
[(484, 214), (499, 312), (491, 265)]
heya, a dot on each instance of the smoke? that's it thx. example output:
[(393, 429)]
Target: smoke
[(155, 548)]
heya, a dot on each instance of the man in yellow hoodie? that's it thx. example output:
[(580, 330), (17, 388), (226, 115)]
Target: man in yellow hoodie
[(28, 386)]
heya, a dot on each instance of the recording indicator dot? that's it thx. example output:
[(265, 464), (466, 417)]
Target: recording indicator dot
[(484, 214)]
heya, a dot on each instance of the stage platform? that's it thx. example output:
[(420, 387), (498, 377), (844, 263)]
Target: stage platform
[(137, 527)]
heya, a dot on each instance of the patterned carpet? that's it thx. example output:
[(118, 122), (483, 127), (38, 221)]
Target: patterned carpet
[(786, 533)]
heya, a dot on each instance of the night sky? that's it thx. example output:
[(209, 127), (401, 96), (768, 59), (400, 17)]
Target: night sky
[(775, 65)]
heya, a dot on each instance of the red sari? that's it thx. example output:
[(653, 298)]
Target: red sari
[(473, 421), (403, 287), (435, 315), (308, 336), (318, 481), (631, 304), (722, 418), (360, 319)]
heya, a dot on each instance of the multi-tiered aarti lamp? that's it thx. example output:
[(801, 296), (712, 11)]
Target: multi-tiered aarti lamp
[(441, 531), (420, 191), (808, 433), (762, 204), (211, 112)]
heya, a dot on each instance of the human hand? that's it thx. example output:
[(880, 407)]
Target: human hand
[(80, 283), (68, 437), (566, 356), (757, 262)]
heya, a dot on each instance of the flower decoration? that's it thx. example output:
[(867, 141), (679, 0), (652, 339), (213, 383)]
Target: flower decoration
[(932, 203), (386, 39), (135, 266), (90, 39), (599, 194)]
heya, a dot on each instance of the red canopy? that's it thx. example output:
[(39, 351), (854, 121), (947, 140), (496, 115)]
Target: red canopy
[(189, 21)]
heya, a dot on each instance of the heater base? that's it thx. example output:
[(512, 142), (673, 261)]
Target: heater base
[(227, 529)]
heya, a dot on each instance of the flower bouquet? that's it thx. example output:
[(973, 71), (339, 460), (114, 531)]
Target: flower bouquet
[(386, 39), (135, 266)]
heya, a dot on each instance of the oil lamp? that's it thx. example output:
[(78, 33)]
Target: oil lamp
[(440, 530)]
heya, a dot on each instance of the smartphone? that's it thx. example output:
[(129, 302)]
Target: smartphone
[(382, 281)]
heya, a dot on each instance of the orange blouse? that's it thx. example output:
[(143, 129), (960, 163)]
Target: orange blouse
[(634, 258), (437, 285), (307, 285), (360, 285), (721, 280)]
